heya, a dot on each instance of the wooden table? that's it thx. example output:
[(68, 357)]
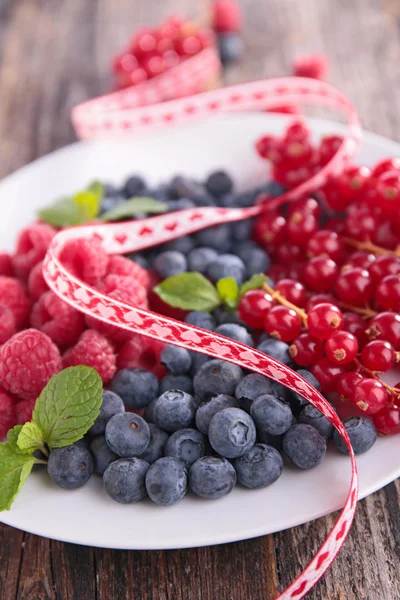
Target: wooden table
[(55, 53)]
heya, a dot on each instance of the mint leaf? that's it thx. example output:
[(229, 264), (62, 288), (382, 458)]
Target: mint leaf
[(14, 469), (188, 291), (134, 206), (228, 291), (68, 405), (88, 203), (12, 438), (30, 438), (254, 283), (63, 213), (97, 188)]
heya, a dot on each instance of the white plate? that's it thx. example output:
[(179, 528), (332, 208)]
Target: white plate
[(88, 516)]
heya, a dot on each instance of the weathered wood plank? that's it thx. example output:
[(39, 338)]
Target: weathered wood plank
[(36, 578), (11, 545)]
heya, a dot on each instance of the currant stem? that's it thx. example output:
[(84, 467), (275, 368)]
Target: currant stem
[(375, 375), (370, 247), (366, 313), (279, 298)]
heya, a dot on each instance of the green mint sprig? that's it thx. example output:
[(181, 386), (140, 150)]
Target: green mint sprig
[(82, 207), (65, 410), (133, 207), (192, 291)]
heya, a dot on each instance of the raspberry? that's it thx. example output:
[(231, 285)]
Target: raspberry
[(119, 265), (57, 319), (13, 295), (7, 324), (24, 409), (36, 282), (8, 415), (93, 350), (6, 267), (32, 245), (86, 259), (311, 65), (226, 16), (141, 351), (27, 361)]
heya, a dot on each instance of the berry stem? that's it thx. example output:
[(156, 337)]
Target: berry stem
[(370, 247), (366, 313), (44, 450), (375, 375), (279, 298)]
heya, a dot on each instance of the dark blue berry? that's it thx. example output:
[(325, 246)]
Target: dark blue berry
[(170, 263), (180, 204), (166, 481), (276, 441), (155, 449), (187, 445), (212, 477), (70, 467), (201, 319), (183, 244), (230, 46), (271, 414), (174, 410), (127, 435), (244, 248), (200, 258), (227, 265), (111, 405), (176, 360), (134, 186), (140, 260), (176, 382), (102, 454), (136, 387), (184, 187), (251, 387), (256, 261), (223, 316), (208, 409), (216, 377), (296, 400), (259, 467), (217, 237), (241, 230), (362, 434), (235, 332), (304, 446), (198, 360), (276, 349), (232, 432), (219, 183), (83, 442), (149, 411), (124, 480), (310, 415)]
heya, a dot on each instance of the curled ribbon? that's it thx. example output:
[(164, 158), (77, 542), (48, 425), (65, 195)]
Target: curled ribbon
[(123, 113)]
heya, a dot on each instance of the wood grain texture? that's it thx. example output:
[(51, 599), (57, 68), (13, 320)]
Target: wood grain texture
[(56, 53)]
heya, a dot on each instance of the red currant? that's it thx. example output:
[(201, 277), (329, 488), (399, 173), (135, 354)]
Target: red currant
[(336, 225), (320, 299), (320, 274), (282, 323), (388, 293), (323, 320), (306, 350), (270, 228), (325, 243), (355, 324), (360, 259), (378, 356), (370, 396), (310, 65), (385, 326), (353, 181), (383, 266), (277, 272), (386, 165), (297, 131), (293, 291), (361, 225), (287, 253), (388, 191), (341, 347), (327, 374), (333, 197), (354, 286), (253, 307), (304, 206), (346, 385), (330, 144), (300, 227), (387, 420), (265, 145), (295, 271)]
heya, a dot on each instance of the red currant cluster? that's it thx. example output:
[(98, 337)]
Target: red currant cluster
[(336, 261), (153, 51)]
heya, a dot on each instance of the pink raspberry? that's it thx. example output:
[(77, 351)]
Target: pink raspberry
[(32, 245), (8, 415), (7, 324), (24, 410), (144, 352), (86, 259), (311, 65), (119, 265), (36, 282), (226, 16), (13, 295), (27, 361), (93, 350), (6, 267), (57, 319)]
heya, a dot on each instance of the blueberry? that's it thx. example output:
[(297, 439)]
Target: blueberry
[(227, 265), (200, 258), (205, 200), (184, 187), (208, 409), (111, 190), (102, 454), (227, 200), (235, 332), (183, 244), (111, 405), (139, 259), (134, 186), (149, 411), (176, 382), (216, 377), (160, 193), (230, 46), (256, 261), (219, 183), (223, 316), (276, 349), (241, 230), (155, 449), (310, 415), (232, 432), (212, 477), (276, 441), (251, 387), (83, 442), (124, 480), (174, 410), (244, 248), (176, 360), (187, 445), (127, 435), (362, 434), (259, 467), (170, 263), (198, 360), (166, 481), (180, 204), (271, 414), (217, 237), (273, 188), (296, 400), (202, 319), (304, 446), (70, 467), (136, 387)]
